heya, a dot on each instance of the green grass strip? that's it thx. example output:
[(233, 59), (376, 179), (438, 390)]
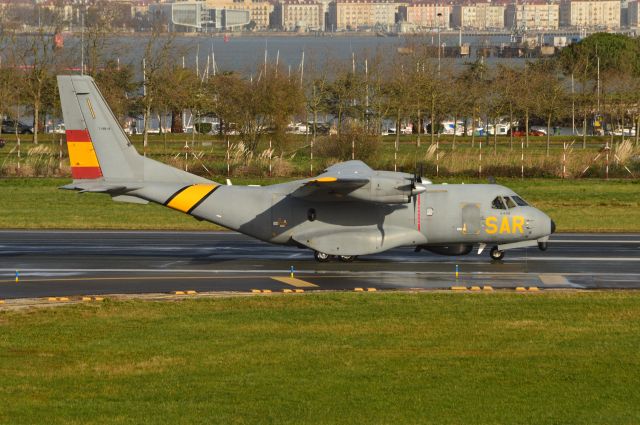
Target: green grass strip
[(430, 358)]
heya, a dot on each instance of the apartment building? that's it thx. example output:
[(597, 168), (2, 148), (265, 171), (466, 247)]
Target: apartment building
[(301, 15), (480, 16), (590, 14), (633, 14), (355, 14), (426, 15), (259, 10), (533, 15)]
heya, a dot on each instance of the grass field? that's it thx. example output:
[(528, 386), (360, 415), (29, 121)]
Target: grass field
[(588, 205), (430, 358), (291, 157)]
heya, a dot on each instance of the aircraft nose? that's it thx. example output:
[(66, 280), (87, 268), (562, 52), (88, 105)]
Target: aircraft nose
[(553, 226)]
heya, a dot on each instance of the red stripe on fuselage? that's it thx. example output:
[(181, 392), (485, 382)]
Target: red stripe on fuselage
[(78, 136), (419, 225)]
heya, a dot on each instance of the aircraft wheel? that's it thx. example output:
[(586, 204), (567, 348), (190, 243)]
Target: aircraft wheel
[(347, 258), (321, 257), (496, 254)]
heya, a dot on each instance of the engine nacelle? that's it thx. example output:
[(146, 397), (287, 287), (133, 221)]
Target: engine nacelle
[(454, 249), (388, 190)]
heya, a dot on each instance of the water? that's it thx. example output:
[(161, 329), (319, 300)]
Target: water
[(246, 54)]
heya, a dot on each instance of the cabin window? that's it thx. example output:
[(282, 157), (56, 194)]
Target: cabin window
[(520, 201), (498, 204), (510, 202), (311, 214)]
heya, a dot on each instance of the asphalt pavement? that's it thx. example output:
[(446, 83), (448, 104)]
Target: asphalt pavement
[(74, 263)]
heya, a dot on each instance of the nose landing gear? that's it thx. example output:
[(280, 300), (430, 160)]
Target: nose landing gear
[(496, 254)]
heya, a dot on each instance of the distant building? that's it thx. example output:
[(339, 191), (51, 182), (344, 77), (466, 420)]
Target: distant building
[(426, 15), (359, 14), (480, 16), (259, 10), (532, 16), (196, 16), (300, 15), (590, 14), (633, 14)]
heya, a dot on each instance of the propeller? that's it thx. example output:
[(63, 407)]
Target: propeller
[(417, 187), (417, 175)]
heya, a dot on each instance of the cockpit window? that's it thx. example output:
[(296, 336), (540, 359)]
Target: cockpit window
[(510, 202), (520, 201), (498, 204)]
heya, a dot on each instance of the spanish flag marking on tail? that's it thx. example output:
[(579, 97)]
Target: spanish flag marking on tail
[(82, 156), (188, 198)]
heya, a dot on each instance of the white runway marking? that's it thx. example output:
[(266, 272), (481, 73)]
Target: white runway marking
[(593, 241), (23, 272), (591, 259)]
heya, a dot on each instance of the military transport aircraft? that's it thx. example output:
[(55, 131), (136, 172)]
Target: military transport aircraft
[(347, 211)]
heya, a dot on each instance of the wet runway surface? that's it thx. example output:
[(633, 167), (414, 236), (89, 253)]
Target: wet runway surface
[(68, 263)]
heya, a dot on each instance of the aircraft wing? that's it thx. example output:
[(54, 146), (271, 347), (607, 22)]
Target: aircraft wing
[(349, 168), (336, 182), (355, 181)]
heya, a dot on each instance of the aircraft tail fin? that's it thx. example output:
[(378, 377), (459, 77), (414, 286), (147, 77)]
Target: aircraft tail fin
[(98, 147)]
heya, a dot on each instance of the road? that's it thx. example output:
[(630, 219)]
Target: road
[(69, 263)]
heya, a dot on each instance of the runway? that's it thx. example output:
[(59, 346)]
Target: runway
[(74, 263)]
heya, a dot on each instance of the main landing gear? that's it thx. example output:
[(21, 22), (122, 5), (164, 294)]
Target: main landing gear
[(321, 257), (496, 254)]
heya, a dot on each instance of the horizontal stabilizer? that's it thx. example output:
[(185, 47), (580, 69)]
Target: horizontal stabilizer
[(129, 199), (98, 187)]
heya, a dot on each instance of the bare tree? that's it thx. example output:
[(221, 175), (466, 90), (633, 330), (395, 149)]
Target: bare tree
[(549, 94), (156, 60), (36, 59)]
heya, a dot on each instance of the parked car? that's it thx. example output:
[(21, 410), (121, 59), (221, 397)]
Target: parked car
[(520, 132), (9, 127)]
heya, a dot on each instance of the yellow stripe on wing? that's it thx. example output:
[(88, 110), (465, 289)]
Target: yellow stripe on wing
[(324, 180), (190, 197)]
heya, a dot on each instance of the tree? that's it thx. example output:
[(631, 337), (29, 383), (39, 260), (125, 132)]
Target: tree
[(616, 52), (8, 93), (580, 61), (257, 105), (345, 96), (182, 89), (156, 60), (549, 93), (472, 80), (36, 57), (400, 94), (507, 82), (117, 86), (526, 100), (226, 93)]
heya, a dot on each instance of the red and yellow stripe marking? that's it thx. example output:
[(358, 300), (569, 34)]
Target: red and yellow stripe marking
[(82, 156), (188, 198)]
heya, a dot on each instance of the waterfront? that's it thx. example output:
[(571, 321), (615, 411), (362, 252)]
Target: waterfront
[(245, 53)]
